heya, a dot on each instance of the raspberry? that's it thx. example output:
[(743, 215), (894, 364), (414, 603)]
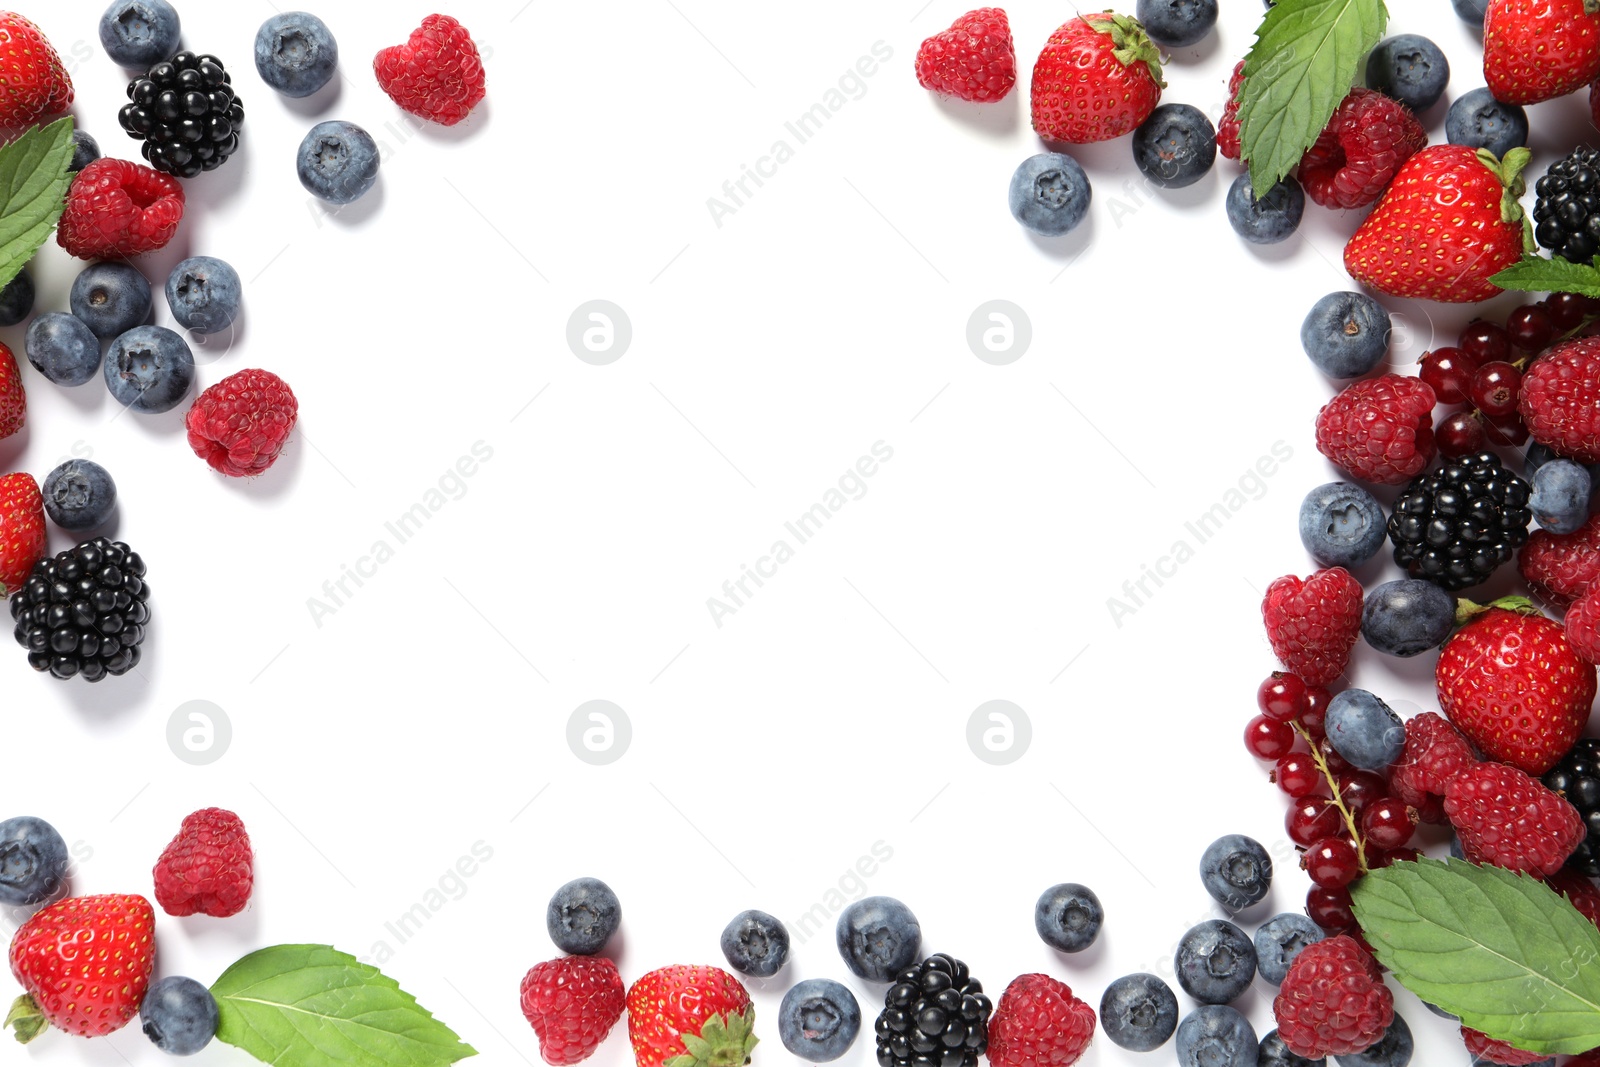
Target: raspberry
[(1379, 429), (1313, 623), (1435, 753), (1507, 818), (1582, 891), (1484, 1048), (208, 868), (1358, 152), (1582, 623), (1228, 127), (1333, 1001), (1560, 399), (973, 60), (239, 425), (436, 74), (1039, 1023), (1562, 565), (116, 210), (572, 1003)]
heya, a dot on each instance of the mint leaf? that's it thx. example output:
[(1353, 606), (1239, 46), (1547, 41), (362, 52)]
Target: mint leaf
[(33, 190), (312, 1005), (1305, 59), (1501, 950), (1535, 274)]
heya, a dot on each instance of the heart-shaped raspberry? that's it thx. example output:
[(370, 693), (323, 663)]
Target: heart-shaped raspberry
[(1313, 623), (973, 60), (437, 74)]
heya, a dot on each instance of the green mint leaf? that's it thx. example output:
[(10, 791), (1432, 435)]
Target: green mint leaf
[(1305, 59), (312, 1005), (33, 190), (1535, 274), (1501, 950)]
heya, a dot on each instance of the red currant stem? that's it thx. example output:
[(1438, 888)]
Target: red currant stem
[(1338, 798), (1529, 357)]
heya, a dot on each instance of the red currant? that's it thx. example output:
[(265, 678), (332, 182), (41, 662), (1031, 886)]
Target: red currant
[(1297, 775), (1388, 823), (1448, 371), (1268, 738), (1316, 711), (1510, 431), (1461, 434), (1311, 819), (1282, 696), (1395, 855), (1494, 389), (1359, 788), (1484, 341), (1331, 862), (1566, 310), (1336, 763), (1530, 328), (1330, 908)]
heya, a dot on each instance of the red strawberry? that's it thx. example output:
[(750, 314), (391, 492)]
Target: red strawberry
[(23, 540), (1449, 221), (1537, 50), (974, 59), (86, 962), (13, 400), (207, 868), (1228, 126), (1313, 623), (436, 75), (1512, 684), (1098, 77), (702, 1011), (1039, 1023), (572, 1003), (33, 83), (1560, 399), (1356, 155)]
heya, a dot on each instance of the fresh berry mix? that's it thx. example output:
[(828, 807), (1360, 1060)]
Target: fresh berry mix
[(1333, 1001), (186, 113), (1037, 1021), (295, 53), (33, 861), (1175, 146), (1577, 780), (1409, 68), (1346, 334), (1407, 617), (1139, 1012), (1476, 119), (1215, 962), (818, 1020), (572, 1003), (1097, 77), (974, 59), (117, 210), (139, 33), (877, 938), (85, 963), (1049, 194), (111, 299), (1566, 212), (1360, 151), (208, 868), (436, 75), (79, 495), (1456, 526), (179, 1015), (1236, 871), (1215, 1035), (33, 81), (240, 425), (16, 298), (582, 915), (63, 348), (937, 1009), (1273, 218), (756, 944), (1177, 23), (337, 162), (204, 294), (149, 369), (83, 612), (1068, 917), (1279, 940)]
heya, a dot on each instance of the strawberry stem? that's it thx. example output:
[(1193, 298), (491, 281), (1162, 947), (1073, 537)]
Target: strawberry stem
[(25, 1019), (1466, 610), (1338, 798)]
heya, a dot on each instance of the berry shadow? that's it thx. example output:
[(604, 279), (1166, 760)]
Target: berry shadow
[(1069, 246), (114, 697), (243, 931), (209, 349), (1198, 53), (1086, 960), (469, 127), (999, 119), (361, 211), (12, 448), (90, 397), (318, 103), (280, 478), (214, 187)]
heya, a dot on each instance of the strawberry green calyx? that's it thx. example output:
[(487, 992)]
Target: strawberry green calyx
[(1129, 43), (25, 1019), (1509, 171), (1466, 610), (724, 1041)]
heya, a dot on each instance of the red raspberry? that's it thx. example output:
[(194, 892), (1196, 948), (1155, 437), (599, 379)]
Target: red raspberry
[(974, 59), (1583, 893), (1228, 127), (1313, 623), (1562, 565), (1560, 399), (208, 868), (1588, 1059), (572, 1003), (1357, 153), (1508, 818), (1333, 1001), (1484, 1048), (436, 75), (239, 425), (1380, 429), (116, 209), (1039, 1023), (1435, 753), (1582, 623)]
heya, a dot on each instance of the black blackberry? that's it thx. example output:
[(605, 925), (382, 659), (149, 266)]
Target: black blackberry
[(186, 113), (1577, 777), (1457, 524), (84, 611), (1566, 213), (935, 1015)]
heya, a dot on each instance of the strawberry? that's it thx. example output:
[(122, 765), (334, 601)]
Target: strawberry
[(1098, 77), (23, 540), (1448, 222), (691, 1017), (1537, 50), (1512, 684), (85, 962), (33, 83), (973, 60), (13, 401)]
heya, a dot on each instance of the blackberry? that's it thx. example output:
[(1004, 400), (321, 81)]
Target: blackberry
[(935, 1015), (1577, 777), (84, 611), (186, 113), (1454, 526), (1566, 213)]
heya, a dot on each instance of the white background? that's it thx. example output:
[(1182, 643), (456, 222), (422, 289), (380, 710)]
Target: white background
[(428, 713)]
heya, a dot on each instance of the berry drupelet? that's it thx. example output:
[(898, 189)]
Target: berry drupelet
[(187, 114), (1456, 525), (1577, 778), (1566, 213), (84, 612), (935, 1013)]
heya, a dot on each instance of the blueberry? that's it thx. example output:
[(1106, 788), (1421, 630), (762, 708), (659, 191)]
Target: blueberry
[(1215, 1035), (203, 293), (149, 369), (1364, 730), (62, 348), (1392, 1050), (338, 161), (139, 33), (1049, 193), (179, 1015), (33, 861), (756, 944), (1215, 963), (16, 299), (1440, 1012), (1407, 617), (79, 495), (1175, 146), (1068, 916), (582, 916), (1139, 1012), (1341, 525), (818, 1020), (110, 298), (1346, 334), (878, 937), (1409, 68), (1478, 120), (1273, 218), (1237, 871), (1279, 940), (1560, 499), (85, 150), (1274, 1053), (1471, 11), (1177, 23), (295, 53)]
